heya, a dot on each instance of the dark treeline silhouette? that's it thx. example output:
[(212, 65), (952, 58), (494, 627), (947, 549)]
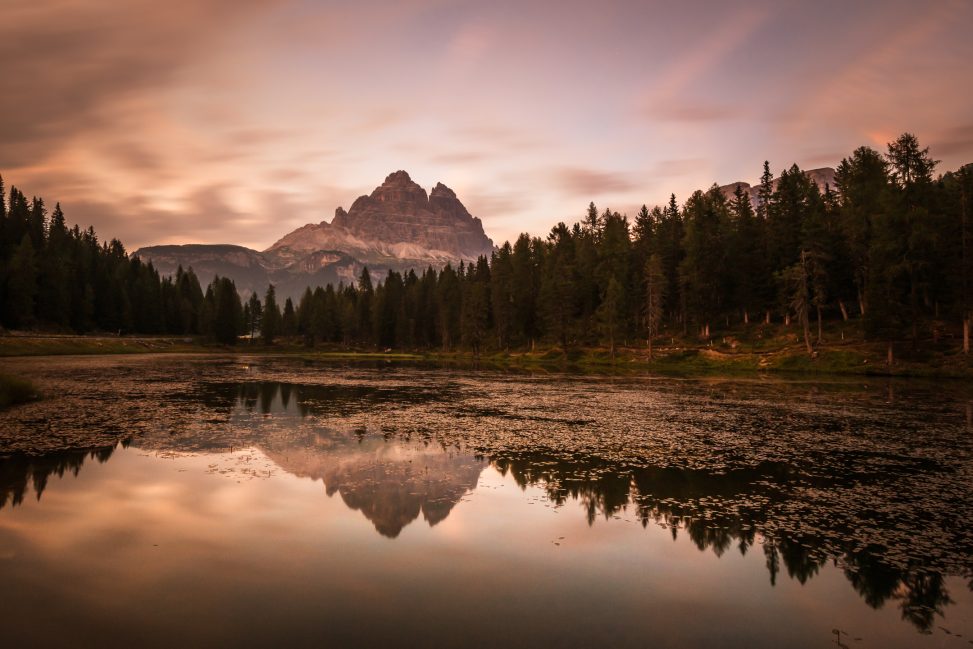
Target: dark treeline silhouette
[(65, 279), (888, 246)]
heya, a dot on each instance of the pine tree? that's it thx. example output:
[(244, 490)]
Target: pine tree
[(501, 294), (765, 192), (557, 291), (256, 316), (655, 286), (363, 306), (226, 310), (702, 267), (21, 286), (475, 316), (448, 296), (525, 287), (911, 172), (863, 183), (592, 223), (610, 313), (305, 311), (288, 323), (270, 327)]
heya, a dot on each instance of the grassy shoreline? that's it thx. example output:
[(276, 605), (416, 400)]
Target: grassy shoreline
[(779, 355), (15, 390)]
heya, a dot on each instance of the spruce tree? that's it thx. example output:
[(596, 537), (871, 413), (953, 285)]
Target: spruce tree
[(655, 287), (270, 327), (21, 286), (288, 323)]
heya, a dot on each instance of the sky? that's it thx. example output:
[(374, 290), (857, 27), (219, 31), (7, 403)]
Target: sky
[(237, 121)]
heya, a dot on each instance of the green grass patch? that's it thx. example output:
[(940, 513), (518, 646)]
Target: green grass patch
[(67, 345), (14, 390)]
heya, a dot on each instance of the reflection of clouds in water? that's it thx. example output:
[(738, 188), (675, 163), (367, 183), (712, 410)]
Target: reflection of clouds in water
[(800, 473)]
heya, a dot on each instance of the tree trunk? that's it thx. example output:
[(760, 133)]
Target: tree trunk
[(787, 319), (914, 308), (649, 342), (820, 333), (746, 317), (806, 325), (890, 357), (861, 303), (966, 335), (682, 313), (767, 316), (844, 310)]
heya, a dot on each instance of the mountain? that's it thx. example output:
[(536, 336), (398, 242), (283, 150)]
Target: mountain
[(252, 271), (398, 226), (823, 177)]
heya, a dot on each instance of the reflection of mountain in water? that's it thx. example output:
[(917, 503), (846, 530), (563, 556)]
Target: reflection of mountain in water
[(797, 520), (391, 483)]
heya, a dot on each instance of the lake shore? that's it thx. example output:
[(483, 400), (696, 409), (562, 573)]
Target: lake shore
[(15, 390), (777, 355)]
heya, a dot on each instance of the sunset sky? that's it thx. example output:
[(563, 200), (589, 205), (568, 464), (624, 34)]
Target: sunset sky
[(236, 121)]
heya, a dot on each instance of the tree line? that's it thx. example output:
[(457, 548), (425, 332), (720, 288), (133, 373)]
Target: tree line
[(889, 244)]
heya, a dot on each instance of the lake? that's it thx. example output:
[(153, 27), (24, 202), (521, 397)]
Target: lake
[(257, 501)]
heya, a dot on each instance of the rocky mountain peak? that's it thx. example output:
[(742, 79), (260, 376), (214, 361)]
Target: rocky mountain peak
[(442, 190), (399, 177), (398, 226)]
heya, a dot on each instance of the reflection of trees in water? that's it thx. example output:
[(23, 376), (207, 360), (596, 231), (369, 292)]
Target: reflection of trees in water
[(740, 509), (19, 472), (737, 508)]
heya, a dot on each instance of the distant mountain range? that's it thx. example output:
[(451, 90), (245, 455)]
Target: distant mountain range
[(398, 226), (823, 177)]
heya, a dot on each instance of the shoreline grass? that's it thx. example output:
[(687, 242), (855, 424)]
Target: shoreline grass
[(775, 354), (15, 391)]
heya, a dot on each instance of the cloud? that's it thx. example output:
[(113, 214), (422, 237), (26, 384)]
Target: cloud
[(676, 167), (704, 55), (579, 181), (956, 141), (693, 112), (68, 66)]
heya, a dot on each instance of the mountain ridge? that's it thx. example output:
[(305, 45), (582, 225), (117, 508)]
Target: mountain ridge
[(396, 227)]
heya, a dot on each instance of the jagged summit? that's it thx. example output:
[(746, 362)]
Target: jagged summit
[(398, 220), (398, 226)]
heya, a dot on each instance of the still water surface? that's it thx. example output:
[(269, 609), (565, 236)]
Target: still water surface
[(193, 501)]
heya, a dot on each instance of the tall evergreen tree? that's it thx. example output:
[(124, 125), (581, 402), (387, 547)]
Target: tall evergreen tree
[(270, 327), (557, 292), (655, 286), (21, 286)]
